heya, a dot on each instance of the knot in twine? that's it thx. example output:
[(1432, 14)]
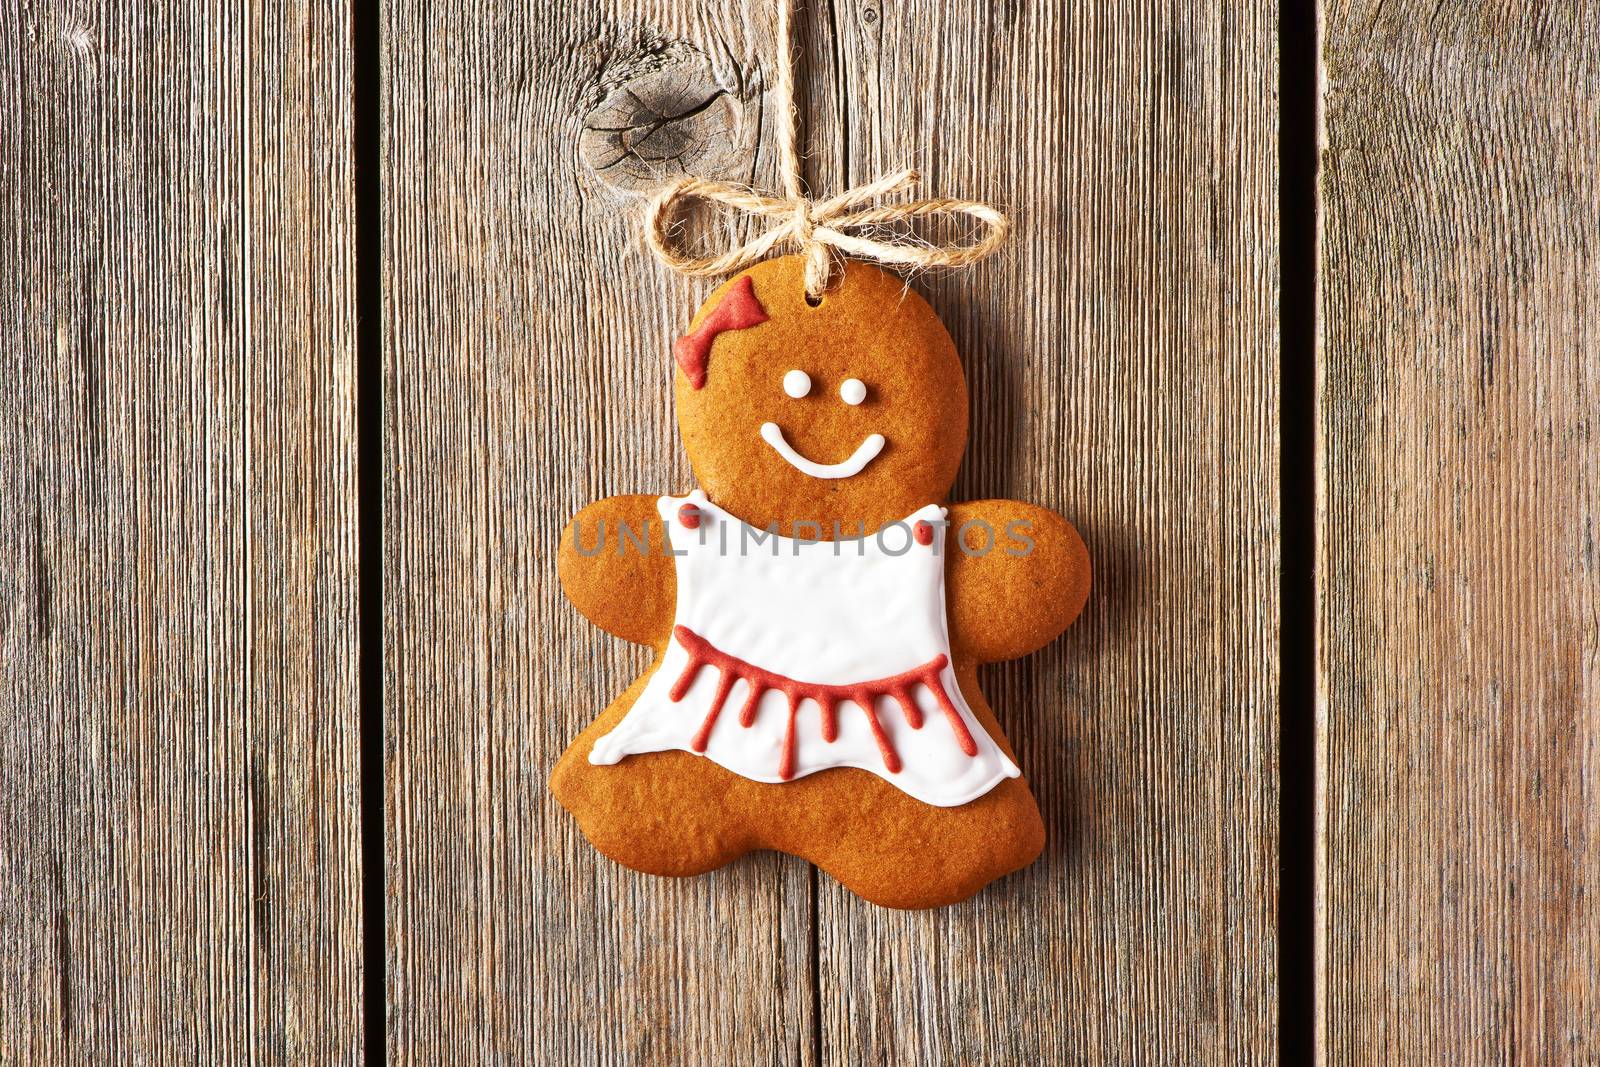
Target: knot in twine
[(817, 227)]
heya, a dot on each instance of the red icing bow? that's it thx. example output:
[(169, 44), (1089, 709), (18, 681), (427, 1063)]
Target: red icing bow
[(737, 310)]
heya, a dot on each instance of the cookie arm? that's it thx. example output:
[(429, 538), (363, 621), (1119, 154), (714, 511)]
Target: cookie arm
[(1019, 595), (617, 587)]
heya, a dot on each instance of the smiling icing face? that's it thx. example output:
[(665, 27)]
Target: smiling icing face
[(772, 434), (851, 411), (797, 383)]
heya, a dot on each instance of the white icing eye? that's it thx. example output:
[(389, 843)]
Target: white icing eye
[(797, 383), (852, 391)]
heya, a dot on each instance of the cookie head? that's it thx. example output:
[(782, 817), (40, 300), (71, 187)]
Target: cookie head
[(852, 410)]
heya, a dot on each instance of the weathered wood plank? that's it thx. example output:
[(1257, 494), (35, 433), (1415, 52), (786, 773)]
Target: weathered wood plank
[(1123, 363), (1460, 592), (527, 358), (178, 792)]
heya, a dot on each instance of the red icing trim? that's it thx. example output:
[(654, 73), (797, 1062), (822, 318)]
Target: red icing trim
[(923, 533), (737, 310), (689, 515), (864, 695)]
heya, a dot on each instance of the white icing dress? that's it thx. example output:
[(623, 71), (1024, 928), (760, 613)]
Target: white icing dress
[(791, 656)]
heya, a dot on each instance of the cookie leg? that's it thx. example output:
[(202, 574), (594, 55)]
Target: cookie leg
[(658, 812), (894, 850)]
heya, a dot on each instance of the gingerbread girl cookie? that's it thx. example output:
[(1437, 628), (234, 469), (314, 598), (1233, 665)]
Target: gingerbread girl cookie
[(818, 611)]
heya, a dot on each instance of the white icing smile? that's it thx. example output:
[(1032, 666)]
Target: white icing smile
[(865, 453)]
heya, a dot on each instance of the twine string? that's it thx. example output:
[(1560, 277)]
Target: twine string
[(817, 228)]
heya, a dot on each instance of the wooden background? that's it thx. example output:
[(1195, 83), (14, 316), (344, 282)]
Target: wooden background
[(179, 818), (180, 826)]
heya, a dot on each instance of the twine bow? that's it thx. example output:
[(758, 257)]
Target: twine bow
[(817, 227)]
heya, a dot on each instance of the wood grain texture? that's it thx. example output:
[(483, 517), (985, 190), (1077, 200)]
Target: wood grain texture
[(527, 340), (178, 792), (1123, 363), (1460, 592)]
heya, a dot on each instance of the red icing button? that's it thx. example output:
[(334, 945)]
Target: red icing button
[(689, 515), (923, 533)]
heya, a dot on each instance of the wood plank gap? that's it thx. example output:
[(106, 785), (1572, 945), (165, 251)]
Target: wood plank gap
[(816, 970), (1299, 76), (367, 151)]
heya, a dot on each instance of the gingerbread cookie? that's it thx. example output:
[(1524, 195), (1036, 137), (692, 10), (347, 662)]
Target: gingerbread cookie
[(817, 609)]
